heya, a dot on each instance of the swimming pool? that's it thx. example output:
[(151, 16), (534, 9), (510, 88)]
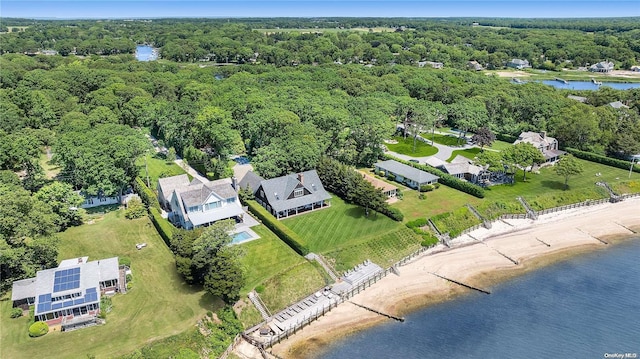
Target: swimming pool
[(241, 237)]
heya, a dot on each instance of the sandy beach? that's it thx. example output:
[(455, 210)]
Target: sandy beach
[(482, 259)]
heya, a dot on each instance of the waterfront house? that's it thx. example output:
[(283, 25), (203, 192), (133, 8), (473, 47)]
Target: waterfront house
[(474, 65), (197, 204), (463, 168), (386, 188), (69, 295), (545, 144), (291, 194), (410, 176), (618, 105), (603, 66), (518, 64)]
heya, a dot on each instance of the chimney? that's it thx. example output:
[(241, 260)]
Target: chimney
[(543, 134), (234, 183), (80, 260), (301, 178)]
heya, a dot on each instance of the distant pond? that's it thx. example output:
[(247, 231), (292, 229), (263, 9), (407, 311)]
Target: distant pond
[(588, 85), (146, 53)]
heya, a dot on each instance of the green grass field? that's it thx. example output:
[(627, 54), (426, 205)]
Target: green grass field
[(50, 170), (405, 147), (469, 153), (159, 305), (499, 145), (339, 226), (158, 168), (438, 201), (447, 140)]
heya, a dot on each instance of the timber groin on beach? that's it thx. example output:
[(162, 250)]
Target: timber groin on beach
[(461, 284), (400, 319)]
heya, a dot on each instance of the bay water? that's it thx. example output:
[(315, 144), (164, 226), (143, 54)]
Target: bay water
[(584, 307)]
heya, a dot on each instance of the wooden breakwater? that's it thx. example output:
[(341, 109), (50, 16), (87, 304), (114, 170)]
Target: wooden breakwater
[(400, 319), (461, 284)]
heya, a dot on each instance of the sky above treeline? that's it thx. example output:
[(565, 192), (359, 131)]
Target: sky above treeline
[(125, 9)]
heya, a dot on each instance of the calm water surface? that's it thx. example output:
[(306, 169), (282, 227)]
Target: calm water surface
[(145, 53), (587, 85), (582, 308)]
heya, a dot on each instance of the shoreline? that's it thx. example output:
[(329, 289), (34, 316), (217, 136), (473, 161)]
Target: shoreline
[(480, 264)]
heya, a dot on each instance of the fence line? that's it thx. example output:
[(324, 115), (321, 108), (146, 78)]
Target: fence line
[(231, 346)]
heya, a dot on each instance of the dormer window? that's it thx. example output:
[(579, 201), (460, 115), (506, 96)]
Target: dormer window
[(298, 192)]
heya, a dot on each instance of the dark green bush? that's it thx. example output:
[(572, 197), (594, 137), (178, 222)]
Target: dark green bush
[(260, 289), (288, 236), (16, 313), (392, 212), (129, 278), (594, 157), (162, 225), (146, 194), (426, 188), (135, 209), (38, 329), (506, 138)]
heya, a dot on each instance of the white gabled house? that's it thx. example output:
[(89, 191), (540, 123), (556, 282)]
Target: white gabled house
[(195, 204)]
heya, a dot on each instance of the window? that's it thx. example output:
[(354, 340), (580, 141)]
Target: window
[(231, 200), (298, 192), (212, 205)]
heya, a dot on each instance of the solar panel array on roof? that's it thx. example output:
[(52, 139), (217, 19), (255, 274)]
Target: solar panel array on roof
[(44, 303), (66, 279)]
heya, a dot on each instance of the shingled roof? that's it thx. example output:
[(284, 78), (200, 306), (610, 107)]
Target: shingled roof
[(406, 171), (278, 191)]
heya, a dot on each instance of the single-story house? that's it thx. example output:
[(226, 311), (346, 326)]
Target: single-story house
[(291, 194), (463, 168), (545, 144), (434, 161), (196, 204), (577, 98), (386, 188), (518, 64), (435, 65), (474, 65), (68, 295), (635, 68), (603, 66), (98, 200), (618, 105), (408, 175)]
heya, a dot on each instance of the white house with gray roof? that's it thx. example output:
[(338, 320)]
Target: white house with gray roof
[(545, 144), (408, 175), (603, 66), (463, 168), (194, 204), (68, 295), (290, 195), (518, 64)]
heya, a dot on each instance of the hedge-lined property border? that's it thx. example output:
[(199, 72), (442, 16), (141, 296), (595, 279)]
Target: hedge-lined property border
[(146, 194), (283, 232), (165, 229), (594, 157), (445, 178)]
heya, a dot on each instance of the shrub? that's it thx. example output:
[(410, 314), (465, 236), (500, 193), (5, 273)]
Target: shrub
[(422, 196), (436, 185), (124, 261), (32, 312), (445, 179), (594, 157), (148, 197), (16, 313), (260, 289), (426, 188), (392, 213), (129, 285), (165, 229), (285, 234), (417, 223), (135, 209), (506, 138), (38, 329), (129, 278), (391, 177), (105, 304)]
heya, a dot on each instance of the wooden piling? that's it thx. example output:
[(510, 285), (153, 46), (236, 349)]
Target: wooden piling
[(400, 319), (461, 284), (543, 242), (596, 238)]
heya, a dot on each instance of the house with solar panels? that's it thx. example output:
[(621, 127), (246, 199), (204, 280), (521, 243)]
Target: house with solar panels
[(68, 295)]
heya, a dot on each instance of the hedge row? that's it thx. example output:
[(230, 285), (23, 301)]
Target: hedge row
[(594, 157), (283, 232), (162, 225), (148, 197), (506, 138), (445, 179)]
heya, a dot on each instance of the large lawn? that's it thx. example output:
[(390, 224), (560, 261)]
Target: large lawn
[(443, 199), (340, 225), (547, 182), (499, 145), (469, 153), (160, 304), (158, 168), (405, 147), (447, 140)]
